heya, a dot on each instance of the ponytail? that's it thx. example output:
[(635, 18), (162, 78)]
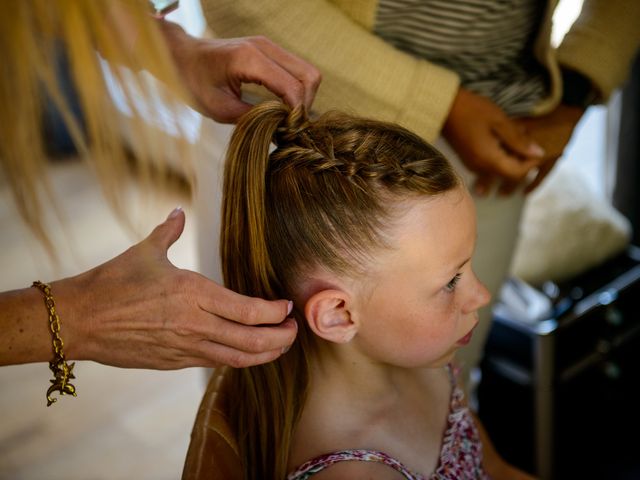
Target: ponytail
[(244, 235), (267, 399)]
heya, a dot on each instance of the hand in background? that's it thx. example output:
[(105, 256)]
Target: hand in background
[(140, 311), (489, 143), (215, 69), (553, 132)]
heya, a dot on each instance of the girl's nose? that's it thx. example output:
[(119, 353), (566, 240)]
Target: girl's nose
[(480, 296)]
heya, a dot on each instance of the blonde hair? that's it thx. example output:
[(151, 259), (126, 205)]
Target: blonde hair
[(323, 197), (123, 32)]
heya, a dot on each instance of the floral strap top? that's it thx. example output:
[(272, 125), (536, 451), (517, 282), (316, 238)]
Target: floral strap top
[(460, 456)]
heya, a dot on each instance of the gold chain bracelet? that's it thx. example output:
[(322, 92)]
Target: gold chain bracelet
[(62, 371)]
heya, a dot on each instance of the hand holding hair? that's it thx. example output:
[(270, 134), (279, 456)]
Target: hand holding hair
[(215, 69), (140, 311)]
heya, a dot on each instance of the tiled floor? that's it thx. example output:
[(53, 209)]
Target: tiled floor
[(124, 424)]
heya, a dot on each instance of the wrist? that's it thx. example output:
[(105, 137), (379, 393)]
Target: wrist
[(70, 304), (174, 36), (572, 113), (182, 48), (449, 122), (62, 370)]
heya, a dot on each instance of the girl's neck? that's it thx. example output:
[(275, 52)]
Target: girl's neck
[(359, 376), (355, 402)]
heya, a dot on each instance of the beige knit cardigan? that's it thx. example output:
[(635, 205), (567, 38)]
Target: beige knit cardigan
[(365, 75)]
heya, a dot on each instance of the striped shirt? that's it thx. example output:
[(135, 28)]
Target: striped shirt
[(488, 43)]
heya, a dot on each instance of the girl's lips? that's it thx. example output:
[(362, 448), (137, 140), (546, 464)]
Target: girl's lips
[(467, 338)]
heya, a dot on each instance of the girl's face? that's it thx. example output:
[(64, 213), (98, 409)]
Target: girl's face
[(421, 304)]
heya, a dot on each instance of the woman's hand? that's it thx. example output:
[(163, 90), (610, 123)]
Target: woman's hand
[(553, 131), (215, 69), (140, 311), (489, 143)]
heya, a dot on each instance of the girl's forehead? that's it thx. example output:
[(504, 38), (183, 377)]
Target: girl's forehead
[(449, 214), (433, 230)]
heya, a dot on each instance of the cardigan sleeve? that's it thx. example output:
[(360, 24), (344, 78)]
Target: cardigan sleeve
[(361, 73), (602, 42)]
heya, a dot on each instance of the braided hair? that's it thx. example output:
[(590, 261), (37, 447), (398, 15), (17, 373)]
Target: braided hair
[(323, 197)]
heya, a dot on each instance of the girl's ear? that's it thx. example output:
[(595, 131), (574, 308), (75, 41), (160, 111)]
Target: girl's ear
[(329, 317)]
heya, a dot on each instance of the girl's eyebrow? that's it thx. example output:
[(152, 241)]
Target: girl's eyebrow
[(463, 263)]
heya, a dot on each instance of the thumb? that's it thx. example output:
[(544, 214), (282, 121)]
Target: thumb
[(516, 141), (224, 107), (165, 234), (230, 112)]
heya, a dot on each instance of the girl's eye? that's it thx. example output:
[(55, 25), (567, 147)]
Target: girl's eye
[(451, 286)]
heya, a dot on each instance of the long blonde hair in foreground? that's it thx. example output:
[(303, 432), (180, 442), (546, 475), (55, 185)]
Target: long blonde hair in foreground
[(323, 197), (124, 33)]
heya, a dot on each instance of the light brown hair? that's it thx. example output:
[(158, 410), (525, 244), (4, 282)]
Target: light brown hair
[(32, 33), (322, 198)]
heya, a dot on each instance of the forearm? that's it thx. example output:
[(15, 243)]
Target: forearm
[(139, 311), (24, 322)]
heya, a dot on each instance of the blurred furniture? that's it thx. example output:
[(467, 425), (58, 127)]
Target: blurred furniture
[(557, 395), (625, 152)]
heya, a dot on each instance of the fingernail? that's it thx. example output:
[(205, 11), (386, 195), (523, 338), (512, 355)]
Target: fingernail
[(286, 349), (536, 150), (292, 320), (175, 212), (289, 307)]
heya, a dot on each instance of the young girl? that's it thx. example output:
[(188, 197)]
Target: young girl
[(368, 229)]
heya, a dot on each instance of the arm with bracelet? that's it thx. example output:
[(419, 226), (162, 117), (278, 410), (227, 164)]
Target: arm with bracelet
[(140, 311), (136, 310)]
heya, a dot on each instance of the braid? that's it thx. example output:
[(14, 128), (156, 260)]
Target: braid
[(371, 154), (292, 127)]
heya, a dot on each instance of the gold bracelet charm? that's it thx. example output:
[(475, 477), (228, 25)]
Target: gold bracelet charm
[(62, 371)]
